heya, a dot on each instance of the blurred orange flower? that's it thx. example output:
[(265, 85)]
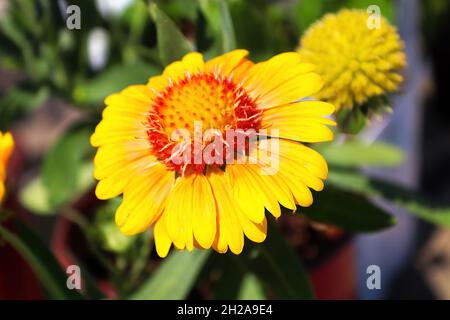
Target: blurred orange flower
[(6, 148)]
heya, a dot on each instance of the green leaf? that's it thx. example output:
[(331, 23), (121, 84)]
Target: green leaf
[(62, 172), (411, 201), (137, 17), (350, 180), (354, 154), (89, 284), (180, 10), (378, 105), (42, 261), (237, 281), (415, 203), (276, 264), (262, 27), (251, 288), (14, 32), (387, 7), (34, 197), (114, 79), (351, 121), (307, 12), (172, 44), (174, 278), (107, 233), (347, 210), (19, 101), (218, 17), (11, 29)]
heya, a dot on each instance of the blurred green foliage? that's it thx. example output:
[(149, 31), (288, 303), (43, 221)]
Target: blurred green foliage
[(55, 60), (41, 260)]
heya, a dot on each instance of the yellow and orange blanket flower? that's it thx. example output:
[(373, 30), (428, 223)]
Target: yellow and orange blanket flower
[(6, 148), (166, 147)]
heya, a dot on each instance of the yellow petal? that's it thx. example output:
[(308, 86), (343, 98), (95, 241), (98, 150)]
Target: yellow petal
[(299, 166), (304, 156), (108, 132), (2, 174), (124, 116), (2, 191), (302, 86), (191, 63), (256, 232), (249, 192), (302, 121), (226, 63), (157, 84), (162, 240), (114, 184), (144, 199), (282, 79), (204, 212), (178, 213), (279, 188), (306, 108), (230, 232), (6, 148), (191, 212), (111, 158), (135, 97)]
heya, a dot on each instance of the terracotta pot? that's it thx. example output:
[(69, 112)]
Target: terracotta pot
[(17, 279), (64, 252), (327, 252), (335, 278)]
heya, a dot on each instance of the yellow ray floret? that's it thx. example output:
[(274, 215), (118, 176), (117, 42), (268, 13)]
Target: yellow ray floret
[(357, 60), (6, 148), (199, 203)]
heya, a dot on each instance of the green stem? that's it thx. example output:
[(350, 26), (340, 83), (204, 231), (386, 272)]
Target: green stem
[(83, 223), (141, 259)]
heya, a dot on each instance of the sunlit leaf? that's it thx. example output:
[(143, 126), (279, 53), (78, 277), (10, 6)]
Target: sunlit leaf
[(347, 210), (34, 197), (172, 44), (107, 232), (276, 264), (174, 278), (355, 153), (114, 79), (237, 281), (62, 172), (251, 288), (218, 17), (413, 202)]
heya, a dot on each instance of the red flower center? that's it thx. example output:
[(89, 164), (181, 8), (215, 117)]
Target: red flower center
[(199, 120)]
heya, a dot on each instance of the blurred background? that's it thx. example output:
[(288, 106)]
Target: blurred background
[(52, 85)]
